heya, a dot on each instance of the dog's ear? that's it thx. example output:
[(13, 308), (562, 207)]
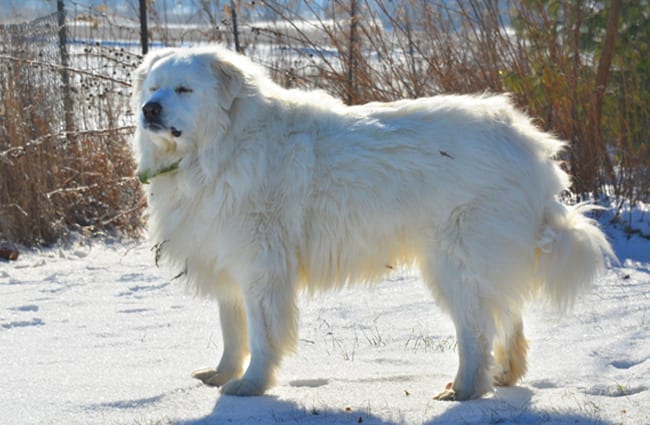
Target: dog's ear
[(230, 82)]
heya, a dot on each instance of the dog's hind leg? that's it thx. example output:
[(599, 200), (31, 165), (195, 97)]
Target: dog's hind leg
[(273, 328), (472, 379), (459, 292), (235, 344), (510, 355)]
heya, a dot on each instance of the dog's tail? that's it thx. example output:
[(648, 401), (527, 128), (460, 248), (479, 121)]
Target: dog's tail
[(571, 252)]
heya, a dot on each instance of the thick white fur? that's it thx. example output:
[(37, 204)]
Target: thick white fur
[(282, 190)]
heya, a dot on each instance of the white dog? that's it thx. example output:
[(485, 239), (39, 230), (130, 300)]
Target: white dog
[(257, 192)]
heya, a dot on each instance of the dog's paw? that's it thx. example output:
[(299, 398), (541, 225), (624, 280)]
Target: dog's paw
[(449, 394), (502, 377), (211, 377), (243, 388)]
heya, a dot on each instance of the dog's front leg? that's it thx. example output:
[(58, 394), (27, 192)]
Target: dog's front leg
[(235, 344), (272, 328)]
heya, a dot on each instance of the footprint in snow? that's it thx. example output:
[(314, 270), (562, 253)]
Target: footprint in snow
[(626, 363), (23, 323), (29, 307)]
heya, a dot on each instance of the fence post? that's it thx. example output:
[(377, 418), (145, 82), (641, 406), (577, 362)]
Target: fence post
[(352, 54), (144, 31), (65, 63), (235, 31)]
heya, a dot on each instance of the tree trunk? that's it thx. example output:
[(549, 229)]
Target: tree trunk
[(598, 150)]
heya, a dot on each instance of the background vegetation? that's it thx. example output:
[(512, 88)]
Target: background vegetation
[(581, 69)]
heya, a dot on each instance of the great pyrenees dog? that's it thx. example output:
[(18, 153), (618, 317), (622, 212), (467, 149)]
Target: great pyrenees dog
[(257, 192)]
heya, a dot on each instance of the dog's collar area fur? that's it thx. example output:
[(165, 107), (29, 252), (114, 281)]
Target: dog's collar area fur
[(147, 175)]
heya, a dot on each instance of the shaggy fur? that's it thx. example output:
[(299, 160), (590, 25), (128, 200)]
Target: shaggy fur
[(257, 192)]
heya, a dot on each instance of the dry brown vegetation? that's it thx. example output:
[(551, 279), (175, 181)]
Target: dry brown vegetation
[(63, 174), (580, 70)]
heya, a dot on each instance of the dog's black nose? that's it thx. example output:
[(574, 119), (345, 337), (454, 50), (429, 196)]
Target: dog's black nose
[(151, 111)]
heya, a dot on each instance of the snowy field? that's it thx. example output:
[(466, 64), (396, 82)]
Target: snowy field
[(95, 334)]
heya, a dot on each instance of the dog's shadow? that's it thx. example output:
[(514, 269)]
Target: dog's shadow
[(508, 406), (512, 405), (271, 410)]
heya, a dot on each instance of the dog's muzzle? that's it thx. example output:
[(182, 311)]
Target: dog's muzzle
[(152, 112)]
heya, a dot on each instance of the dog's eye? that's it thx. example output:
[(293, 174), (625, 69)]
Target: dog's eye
[(153, 89), (183, 89)]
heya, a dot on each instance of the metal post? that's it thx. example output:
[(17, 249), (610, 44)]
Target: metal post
[(144, 31), (235, 31)]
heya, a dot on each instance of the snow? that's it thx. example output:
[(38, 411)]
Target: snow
[(96, 334)]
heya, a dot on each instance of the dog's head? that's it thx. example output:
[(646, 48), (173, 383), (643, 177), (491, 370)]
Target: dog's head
[(183, 99)]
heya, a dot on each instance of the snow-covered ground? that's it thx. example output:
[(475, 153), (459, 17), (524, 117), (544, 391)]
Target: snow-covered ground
[(95, 334)]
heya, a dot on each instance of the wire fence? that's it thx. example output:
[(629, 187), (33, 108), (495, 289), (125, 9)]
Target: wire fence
[(65, 163)]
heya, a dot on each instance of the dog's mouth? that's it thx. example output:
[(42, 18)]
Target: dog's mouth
[(158, 127)]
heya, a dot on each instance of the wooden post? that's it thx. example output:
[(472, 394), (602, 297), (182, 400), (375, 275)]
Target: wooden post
[(65, 63), (352, 54)]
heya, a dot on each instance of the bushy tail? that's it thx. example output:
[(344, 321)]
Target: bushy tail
[(572, 251)]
